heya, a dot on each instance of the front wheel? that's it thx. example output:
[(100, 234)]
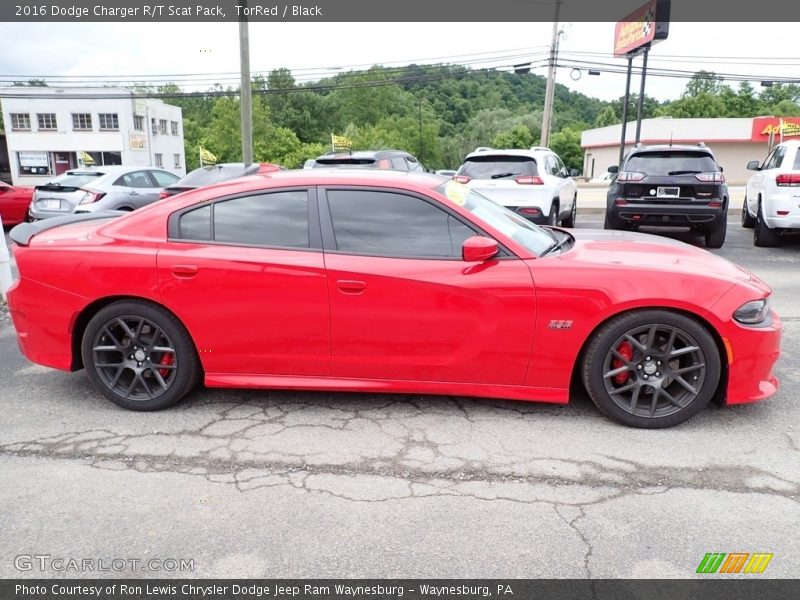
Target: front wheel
[(573, 214), (139, 356), (651, 369), (763, 235), (748, 222)]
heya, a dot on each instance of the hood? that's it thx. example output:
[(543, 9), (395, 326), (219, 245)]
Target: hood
[(630, 249)]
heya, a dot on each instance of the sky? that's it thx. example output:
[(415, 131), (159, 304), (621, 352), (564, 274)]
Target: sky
[(165, 50)]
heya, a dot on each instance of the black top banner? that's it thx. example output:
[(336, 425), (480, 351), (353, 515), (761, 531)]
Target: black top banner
[(445, 11)]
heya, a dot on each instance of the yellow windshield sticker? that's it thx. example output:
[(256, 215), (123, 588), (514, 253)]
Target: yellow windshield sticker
[(456, 192)]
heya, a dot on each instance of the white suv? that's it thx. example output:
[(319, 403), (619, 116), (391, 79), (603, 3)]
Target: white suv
[(534, 183), (772, 200)]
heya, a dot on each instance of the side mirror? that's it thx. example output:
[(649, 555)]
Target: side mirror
[(574, 173), (753, 166), (721, 170), (613, 169), (478, 249)]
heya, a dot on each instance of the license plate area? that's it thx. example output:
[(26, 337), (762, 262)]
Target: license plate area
[(668, 192), (49, 204)]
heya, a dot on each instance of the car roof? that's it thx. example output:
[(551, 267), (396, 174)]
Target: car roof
[(674, 147), (361, 154), (529, 153)]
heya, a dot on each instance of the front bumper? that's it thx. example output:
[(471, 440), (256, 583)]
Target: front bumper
[(752, 353)]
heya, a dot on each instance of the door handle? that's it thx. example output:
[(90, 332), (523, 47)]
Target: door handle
[(133, 193), (351, 287), (184, 271)]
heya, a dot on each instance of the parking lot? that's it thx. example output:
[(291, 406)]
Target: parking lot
[(287, 484)]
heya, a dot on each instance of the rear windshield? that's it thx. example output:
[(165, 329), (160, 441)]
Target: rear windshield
[(498, 167), (344, 162), (213, 174), (671, 162), (73, 179)]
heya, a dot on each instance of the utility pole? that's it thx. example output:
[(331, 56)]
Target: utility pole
[(245, 91), (551, 80), (419, 149)]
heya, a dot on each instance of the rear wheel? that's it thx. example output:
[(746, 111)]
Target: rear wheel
[(715, 236), (552, 218), (763, 235), (651, 369), (139, 356), (748, 222), (573, 214), (611, 222)]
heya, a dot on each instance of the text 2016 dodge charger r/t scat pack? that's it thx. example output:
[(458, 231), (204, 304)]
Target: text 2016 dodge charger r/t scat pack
[(387, 282)]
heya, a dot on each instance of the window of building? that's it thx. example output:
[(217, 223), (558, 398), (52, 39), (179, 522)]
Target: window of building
[(159, 158), (20, 122), (162, 126), (391, 224), (174, 127), (82, 121), (176, 162), (34, 163), (138, 122), (108, 121), (154, 126), (47, 121)]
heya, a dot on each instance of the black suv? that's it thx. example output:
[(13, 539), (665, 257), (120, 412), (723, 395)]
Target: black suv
[(670, 186), (376, 159)]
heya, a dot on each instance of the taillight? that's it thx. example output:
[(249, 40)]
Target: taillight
[(529, 210), (164, 194), (788, 179), (715, 204), (711, 177), (529, 180), (620, 202), (91, 196), (630, 176), (461, 178)]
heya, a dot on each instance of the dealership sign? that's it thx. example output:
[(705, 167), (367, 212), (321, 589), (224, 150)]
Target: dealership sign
[(33, 159), (138, 141), (644, 26), (777, 127)]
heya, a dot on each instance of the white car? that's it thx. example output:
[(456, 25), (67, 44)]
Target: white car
[(533, 183), (772, 199)]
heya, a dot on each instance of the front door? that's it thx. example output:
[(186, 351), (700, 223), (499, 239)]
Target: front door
[(405, 306)]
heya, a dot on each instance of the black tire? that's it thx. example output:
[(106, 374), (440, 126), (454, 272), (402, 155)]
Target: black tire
[(139, 356), (552, 217), (667, 346), (748, 222), (763, 236), (715, 235), (573, 214), (611, 222)]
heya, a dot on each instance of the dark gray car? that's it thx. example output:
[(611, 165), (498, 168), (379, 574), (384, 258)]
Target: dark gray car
[(100, 188)]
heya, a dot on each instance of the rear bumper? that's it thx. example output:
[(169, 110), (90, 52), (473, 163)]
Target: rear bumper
[(752, 354), (35, 213), (668, 215), (786, 201)]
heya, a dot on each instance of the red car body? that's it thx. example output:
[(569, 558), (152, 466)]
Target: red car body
[(325, 320), (14, 203)]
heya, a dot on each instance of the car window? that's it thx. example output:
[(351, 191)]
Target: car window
[(671, 162), (414, 165), (75, 179), (137, 179), (394, 224), (345, 162), (562, 170), (275, 219), (163, 179), (398, 162), (777, 158), (498, 167), (196, 224)]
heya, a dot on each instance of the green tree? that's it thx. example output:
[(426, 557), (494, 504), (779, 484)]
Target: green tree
[(702, 105), (608, 116), (567, 144), (519, 137), (703, 82)]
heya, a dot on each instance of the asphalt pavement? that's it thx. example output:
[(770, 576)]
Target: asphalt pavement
[(297, 484)]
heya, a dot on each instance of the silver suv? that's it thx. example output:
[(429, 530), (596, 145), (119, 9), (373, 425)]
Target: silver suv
[(534, 183), (101, 188)]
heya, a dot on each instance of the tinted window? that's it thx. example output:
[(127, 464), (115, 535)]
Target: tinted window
[(671, 163), (279, 219), (72, 179), (391, 224), (137, 179), (777, 159), (498, 167), (212, 174), (163, 179), (196, 225)]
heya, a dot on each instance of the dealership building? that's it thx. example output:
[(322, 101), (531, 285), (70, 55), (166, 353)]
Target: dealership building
[(734, 142), (49, 130)]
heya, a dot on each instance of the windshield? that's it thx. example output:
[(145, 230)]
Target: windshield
[(671, 163), (510, 224), (74, 179), (214, 174), (498, 167)]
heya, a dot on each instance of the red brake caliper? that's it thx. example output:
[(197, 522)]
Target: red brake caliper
[(166, 359), (625, 349)]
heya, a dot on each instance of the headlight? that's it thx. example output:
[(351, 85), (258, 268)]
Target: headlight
[(753, 313)]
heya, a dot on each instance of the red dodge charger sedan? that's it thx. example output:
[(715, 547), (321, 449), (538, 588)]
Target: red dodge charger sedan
[(387, 282)]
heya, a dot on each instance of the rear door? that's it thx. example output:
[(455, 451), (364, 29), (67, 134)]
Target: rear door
[(246, 275), (134, 190), (405, 306)]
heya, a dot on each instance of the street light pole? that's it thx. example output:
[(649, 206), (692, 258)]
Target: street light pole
[(245, 91), (551, 80)]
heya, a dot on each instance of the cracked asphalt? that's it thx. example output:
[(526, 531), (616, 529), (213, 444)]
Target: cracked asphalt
[(300, 484)]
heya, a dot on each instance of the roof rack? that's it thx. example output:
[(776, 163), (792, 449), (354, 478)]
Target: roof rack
[(701, 144), (483, 149), (540, 148)]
